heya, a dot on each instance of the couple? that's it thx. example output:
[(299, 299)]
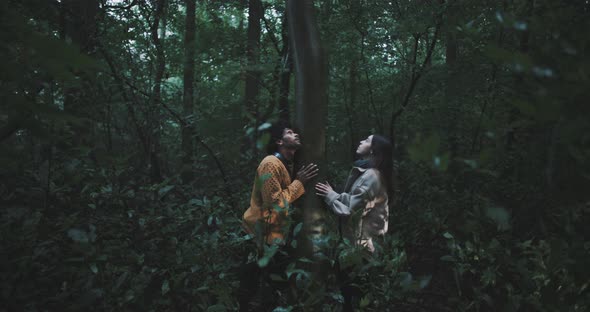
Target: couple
[(362, 207)]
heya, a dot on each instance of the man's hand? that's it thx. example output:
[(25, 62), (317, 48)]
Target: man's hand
[(307, 173)]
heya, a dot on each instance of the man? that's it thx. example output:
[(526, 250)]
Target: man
[(267, 218), (274, 189)]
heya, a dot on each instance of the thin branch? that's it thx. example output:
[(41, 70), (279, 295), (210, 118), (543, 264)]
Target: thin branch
[(13, 125), (270, 32), (120, 79), (197, 137), (416, 74), (122, 7)]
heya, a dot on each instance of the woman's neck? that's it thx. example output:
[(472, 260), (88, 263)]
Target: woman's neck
[(367, 157)]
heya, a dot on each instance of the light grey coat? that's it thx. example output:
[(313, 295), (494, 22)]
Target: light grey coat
[(363, 207)]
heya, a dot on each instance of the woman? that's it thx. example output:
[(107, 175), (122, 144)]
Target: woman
[(363, 207)]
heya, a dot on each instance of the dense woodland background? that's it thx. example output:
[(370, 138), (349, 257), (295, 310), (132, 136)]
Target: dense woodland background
[(130, 131)]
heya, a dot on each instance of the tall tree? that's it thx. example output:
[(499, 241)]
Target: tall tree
[(79, 26), (253, 74), (158, 32), (286, 69), (188, 94), (452, 82), (311, 76)]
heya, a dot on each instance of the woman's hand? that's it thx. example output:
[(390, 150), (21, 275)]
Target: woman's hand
[(322, 189)]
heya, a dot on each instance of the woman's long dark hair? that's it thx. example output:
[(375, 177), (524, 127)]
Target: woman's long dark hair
[(382, 160)]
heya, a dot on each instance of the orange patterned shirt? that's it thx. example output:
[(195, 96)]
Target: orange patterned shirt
[(272, 194)]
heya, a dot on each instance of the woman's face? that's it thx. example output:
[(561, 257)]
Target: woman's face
[(364, 148)]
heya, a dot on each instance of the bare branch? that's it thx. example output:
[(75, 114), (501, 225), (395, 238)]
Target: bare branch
[(121, 7)]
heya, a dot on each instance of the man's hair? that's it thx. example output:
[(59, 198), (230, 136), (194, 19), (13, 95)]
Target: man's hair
[(276, 133)]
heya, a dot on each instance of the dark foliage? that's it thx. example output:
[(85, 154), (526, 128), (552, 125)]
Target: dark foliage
[(486, 103)]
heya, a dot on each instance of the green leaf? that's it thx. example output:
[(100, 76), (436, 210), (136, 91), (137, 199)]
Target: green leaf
[(500, 216), (78, 235), (297, 272), (262, 141), (93, 268), (448, 258), (165, 287), (471, 163), (269, 252), (260, 180), (217, 308), (195, 202), (424, 149), (276, 277), (448, 235), (424, 281), (441, 162), (524, 107), (264, 126), (164, 190), (406, 279), (365, 301), (297, 229)]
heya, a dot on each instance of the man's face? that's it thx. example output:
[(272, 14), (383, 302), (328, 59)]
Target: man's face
[(290, 139)]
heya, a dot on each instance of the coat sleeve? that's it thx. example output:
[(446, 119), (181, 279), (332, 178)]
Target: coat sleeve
[(271, 187), (344, 204)]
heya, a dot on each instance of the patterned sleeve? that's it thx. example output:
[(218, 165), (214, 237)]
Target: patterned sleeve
[(271, 187)]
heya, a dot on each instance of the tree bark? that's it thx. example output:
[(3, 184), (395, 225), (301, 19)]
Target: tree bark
[(255, 13), (285, 75), (79, 24), (159, 24), (350, 105), (311, 74), (452, 89), (188, 92)]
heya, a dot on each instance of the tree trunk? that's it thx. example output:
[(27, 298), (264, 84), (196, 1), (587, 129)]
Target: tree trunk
[(255, 12), (154, 118), (350, 106), (452, 89), (79, 24), (311, 73), (285, 74), (188, 94)]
